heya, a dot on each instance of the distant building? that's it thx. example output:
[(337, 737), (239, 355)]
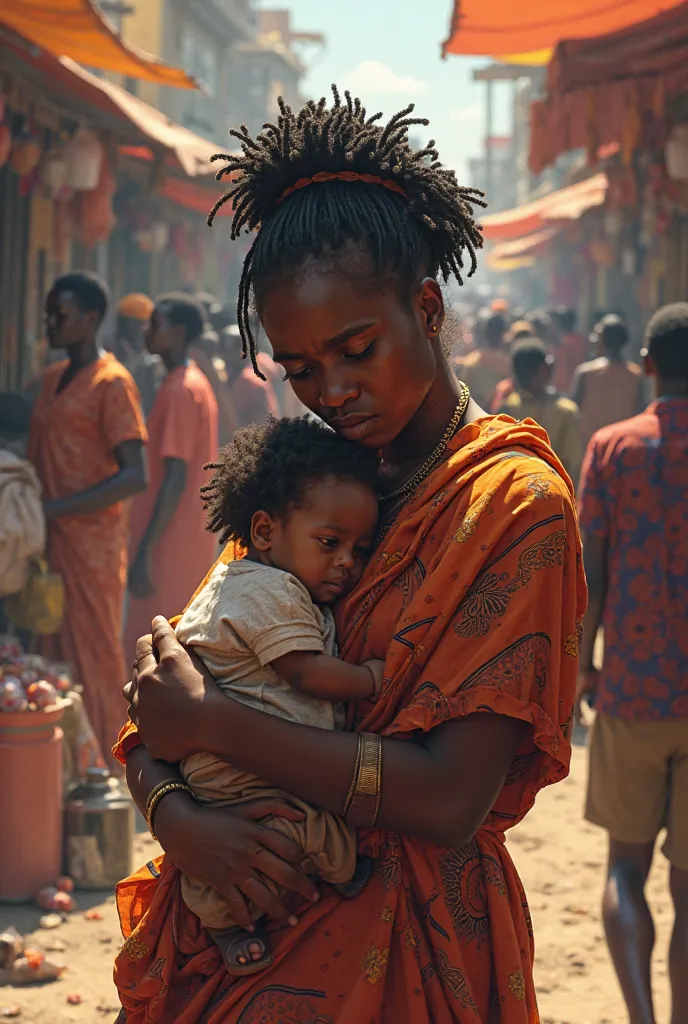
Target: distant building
[(272, 65), (500, 180), (199, 35), (243, 58)]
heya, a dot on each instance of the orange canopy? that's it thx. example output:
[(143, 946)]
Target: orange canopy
[(519, 252), (192, 151), (74, 28), (610, 90), (564, 204), (502, 28)]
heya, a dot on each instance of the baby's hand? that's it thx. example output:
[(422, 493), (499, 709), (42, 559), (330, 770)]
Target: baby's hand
[(377, 670)]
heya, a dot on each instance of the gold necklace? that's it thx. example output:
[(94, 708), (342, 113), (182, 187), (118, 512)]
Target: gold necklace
[(436, 454)]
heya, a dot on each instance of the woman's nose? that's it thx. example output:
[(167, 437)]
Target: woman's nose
[(336, 389)]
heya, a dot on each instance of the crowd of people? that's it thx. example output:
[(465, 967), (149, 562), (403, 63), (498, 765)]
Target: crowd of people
[(537, 364), (450, 545), (119, 437), (628, 457)]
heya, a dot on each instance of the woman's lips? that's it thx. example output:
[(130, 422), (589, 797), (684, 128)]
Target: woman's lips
[(354, 427)]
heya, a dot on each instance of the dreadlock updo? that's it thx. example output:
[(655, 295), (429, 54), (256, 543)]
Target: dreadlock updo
[(427, 229)]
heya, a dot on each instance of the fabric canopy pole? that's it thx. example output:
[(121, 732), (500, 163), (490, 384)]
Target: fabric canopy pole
[(502, 28)]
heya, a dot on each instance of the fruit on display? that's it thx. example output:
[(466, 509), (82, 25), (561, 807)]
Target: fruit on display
[(29, 682)]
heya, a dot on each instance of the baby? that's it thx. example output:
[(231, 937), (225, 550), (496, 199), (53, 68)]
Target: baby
[(302, 501)]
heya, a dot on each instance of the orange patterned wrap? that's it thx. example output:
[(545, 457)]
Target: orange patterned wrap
[(476, 595)]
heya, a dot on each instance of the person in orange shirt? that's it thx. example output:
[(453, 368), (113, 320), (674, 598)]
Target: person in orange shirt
[(171, 549), (87, 445)]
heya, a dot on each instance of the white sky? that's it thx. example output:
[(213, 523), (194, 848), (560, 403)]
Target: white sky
[(388, 53)]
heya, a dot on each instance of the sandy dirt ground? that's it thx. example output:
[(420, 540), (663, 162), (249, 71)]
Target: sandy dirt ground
[(559, 856)]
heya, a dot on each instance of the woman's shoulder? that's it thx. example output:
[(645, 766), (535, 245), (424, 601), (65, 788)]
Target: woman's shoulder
[(512, 458), (509, 490)]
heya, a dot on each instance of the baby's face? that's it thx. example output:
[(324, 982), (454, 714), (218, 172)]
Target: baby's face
[(326, 542)]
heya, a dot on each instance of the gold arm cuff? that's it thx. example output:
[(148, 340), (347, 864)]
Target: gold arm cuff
[(364, 806), (354, 778)]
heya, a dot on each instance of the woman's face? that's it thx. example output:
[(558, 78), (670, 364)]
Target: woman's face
[(365, 363)]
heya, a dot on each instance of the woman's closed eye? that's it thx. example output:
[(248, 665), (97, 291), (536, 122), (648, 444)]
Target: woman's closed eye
[(302, 374), (363, 353)]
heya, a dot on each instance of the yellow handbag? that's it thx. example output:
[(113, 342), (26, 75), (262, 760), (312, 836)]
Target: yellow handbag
[(39, 606)]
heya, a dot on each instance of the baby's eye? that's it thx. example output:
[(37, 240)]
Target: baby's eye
[(328, 542), (364, 552)]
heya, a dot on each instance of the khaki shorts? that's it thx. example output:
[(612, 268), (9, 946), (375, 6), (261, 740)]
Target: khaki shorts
[(638, 782)]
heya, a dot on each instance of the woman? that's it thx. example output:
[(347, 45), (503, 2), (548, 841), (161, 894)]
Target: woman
[(474, 597)]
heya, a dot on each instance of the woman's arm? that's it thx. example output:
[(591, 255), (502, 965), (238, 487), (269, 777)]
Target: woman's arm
[(441, 788), (130, 479), (228, 849)]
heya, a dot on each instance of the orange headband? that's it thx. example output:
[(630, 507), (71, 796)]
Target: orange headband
[(369, 179)]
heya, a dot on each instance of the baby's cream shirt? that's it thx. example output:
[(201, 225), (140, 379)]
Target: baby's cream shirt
[(246, 616)]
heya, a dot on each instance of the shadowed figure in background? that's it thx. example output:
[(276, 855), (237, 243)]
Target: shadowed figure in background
[(572, 349), (533, 397), (87, 444), (634, 518), (607, 389), (253, 399), (133, 313), (488, 364)]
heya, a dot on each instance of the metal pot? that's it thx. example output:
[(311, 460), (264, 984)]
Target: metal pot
[(99, 832)]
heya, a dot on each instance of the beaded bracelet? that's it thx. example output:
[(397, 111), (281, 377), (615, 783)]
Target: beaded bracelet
[(156, 795)]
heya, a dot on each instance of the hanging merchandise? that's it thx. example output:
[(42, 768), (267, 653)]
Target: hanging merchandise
[(629, 262), (93, 210), (676, 153), (53, 171), (5, 143), (160, 235), (25, 154), (84, 161)]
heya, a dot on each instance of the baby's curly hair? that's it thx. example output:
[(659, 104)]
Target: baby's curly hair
[(268, 466)]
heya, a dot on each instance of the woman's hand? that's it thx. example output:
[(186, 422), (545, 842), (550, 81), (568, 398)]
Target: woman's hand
[(232, 851), (169, 698)]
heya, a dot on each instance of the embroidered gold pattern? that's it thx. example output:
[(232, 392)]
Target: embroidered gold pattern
[(374, 964), (472, 517), (135, 949), (572, 642), (517, 985)]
